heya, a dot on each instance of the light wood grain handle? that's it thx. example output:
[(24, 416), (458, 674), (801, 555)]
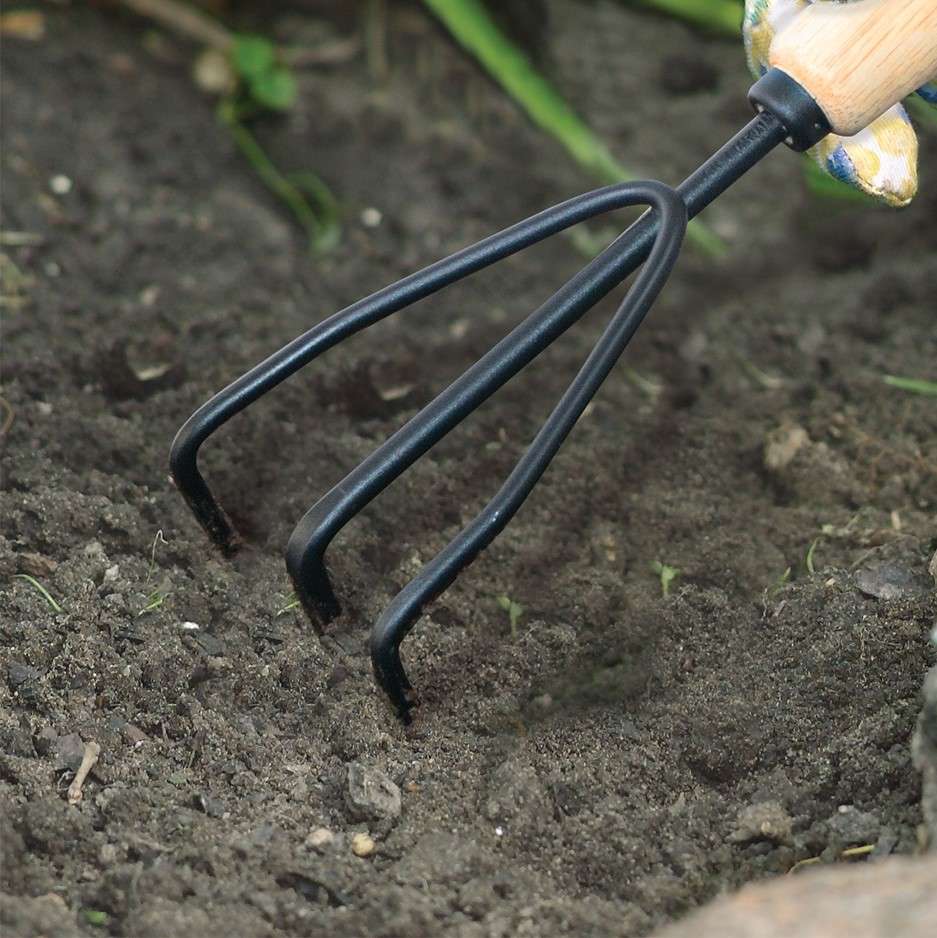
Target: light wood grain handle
[(858, 59)]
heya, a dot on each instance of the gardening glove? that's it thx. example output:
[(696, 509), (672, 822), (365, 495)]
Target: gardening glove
[(880, 160)]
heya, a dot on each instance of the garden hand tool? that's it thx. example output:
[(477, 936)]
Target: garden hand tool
[(836, 68)]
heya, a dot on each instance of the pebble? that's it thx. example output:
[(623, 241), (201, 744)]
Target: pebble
[(363, 845), (371, 217), (370, 794), (213, 73), (321, 837), (60, 185), (889, 581), (69, 751), (782, 446)]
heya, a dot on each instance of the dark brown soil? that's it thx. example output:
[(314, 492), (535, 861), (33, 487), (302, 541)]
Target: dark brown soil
[(581, 774)]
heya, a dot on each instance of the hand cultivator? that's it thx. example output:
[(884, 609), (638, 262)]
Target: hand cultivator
[(831, 73)]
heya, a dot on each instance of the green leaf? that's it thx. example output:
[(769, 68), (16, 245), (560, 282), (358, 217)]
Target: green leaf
[(275, 89), (513, 609), (252, 56), (95, 917), (914, 385), (667, 575)]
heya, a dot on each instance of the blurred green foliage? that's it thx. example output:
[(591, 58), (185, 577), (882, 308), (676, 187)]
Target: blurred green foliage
[(474, 29), (265, 83), (914, 385)]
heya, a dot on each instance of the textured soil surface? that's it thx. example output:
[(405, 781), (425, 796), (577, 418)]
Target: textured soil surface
[(611, 759)]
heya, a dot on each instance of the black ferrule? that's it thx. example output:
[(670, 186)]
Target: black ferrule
[(778, 94)]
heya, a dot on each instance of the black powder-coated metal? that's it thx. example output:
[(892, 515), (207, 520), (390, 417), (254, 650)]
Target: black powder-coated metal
[(657, 235), (581, 293)]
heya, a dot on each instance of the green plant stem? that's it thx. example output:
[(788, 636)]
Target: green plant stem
[(322, 232), (914, 385), (476, 32), (46, 595)]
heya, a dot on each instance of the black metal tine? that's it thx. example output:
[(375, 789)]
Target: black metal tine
[(442, 570), (305, 551), (238, 395), (305, 555)]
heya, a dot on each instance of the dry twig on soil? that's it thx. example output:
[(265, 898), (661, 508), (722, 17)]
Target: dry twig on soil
[(88, 762)]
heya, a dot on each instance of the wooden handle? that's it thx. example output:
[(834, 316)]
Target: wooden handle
[(858, 59)]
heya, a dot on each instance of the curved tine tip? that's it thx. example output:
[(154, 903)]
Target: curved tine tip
[(437, 575), (311, 582), (390, 675), (185, 476)]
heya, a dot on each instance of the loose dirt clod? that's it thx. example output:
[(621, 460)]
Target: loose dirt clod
[(764, 821)]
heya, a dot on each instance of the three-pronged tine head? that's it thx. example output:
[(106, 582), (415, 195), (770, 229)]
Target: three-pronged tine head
[(656, 237)]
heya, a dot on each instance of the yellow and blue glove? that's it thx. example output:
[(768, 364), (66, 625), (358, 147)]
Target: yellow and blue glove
[(880, 160)]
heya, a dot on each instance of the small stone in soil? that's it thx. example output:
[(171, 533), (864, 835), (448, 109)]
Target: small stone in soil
[(370, 794), (69, 751), (890, 581), (362, 845), (320, 838), (782, 445)]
